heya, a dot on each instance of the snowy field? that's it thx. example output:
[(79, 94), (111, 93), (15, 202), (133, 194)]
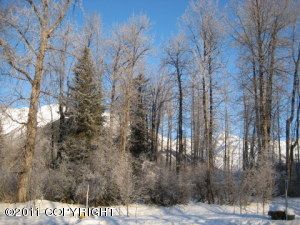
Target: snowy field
[(193, 213)]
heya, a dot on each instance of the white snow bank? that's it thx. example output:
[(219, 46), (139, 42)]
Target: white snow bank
[(281, 208), (277, 207), (193, 213)]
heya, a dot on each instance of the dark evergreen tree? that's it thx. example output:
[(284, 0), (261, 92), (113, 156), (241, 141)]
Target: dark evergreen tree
[(85, 108), (138, 127)]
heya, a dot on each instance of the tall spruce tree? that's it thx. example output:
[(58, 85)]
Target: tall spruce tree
[(85, 107), (138, 129)]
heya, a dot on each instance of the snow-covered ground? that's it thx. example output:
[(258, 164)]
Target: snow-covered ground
[(193, 213)]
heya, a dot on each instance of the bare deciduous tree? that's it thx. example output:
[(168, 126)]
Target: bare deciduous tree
[(35, 33), (204, 32), (130, 46), (177, 60)]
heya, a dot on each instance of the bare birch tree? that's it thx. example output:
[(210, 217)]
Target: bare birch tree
[(177, 60), (34, 24), (258, 32), (204, 33), (130, 46)]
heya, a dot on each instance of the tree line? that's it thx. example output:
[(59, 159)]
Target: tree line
[(158, 133)]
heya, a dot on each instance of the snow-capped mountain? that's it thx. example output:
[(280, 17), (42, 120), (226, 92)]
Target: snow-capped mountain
[(14, 119)]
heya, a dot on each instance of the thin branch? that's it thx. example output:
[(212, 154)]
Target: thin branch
[(23, 37), (60, 17), (41, 20), (10, 58)]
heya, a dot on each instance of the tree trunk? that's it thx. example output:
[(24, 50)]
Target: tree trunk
[(31, 128), (61, 104), (153, 129), (171, 144), (210, 136), (180, 122), (246, 135), (204, 115), (278, 130), (289, 153)]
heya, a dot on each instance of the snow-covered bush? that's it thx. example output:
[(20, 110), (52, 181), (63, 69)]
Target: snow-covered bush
[(59, 185), (224, 187), (97, 185), (265, 181), (123, 178), (109, 176), (8, 186), (146, 180), (8, 169), (199, 182), (170, 188)]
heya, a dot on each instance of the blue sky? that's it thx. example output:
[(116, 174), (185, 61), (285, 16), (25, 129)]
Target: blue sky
[(163, 14)]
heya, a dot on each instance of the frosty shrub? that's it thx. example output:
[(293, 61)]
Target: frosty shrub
[(109, 176), (8, 169), (105, 165), (256, 184), (225, 187), (123, 178), (265, 181), (97, 185), (60, 184), (8, 186), (247, 187), (199, 184), (185, 184), (171, 188), (222, 184), (146, 180), (41, 165)]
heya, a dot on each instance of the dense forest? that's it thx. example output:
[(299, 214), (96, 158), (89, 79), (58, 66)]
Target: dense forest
[(194, 126)]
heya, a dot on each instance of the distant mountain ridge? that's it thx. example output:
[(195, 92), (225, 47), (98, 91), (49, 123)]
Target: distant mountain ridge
[(14, 119)]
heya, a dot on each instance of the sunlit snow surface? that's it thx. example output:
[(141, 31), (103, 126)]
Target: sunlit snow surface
[(192, 213)]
